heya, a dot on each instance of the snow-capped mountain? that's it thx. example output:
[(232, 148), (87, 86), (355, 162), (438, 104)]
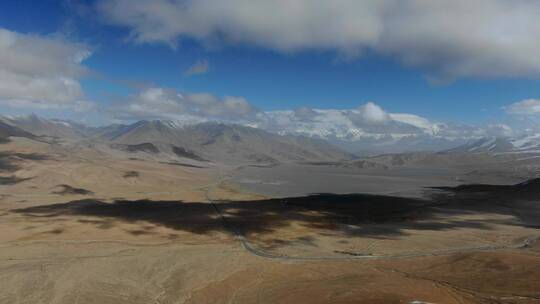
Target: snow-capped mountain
[(367, 130), (484, 145), (366, 122), (530, 144), (347, 125), (526, 144), (363, 131)]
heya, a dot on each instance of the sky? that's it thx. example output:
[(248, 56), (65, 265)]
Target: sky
[(454, 62)]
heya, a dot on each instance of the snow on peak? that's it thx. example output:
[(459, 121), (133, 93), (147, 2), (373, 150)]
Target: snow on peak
[(349, 125), (526, 142)]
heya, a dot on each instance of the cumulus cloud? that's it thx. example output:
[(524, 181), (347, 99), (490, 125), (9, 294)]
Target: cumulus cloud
[(372, 113), (448, 39), (164, 103), (371, 118), (367, 122), (199, 67), (286, 26), (524, 107), (41, 72)]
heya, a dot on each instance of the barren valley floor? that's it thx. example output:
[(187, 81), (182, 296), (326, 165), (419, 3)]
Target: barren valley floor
[(81, 226)]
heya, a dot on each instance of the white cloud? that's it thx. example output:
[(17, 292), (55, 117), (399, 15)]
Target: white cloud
[(448, 39), (163, 103), (372, 113), (524, 107), (282, 25), (482, 38), (414, 120), (368, 121), (339, 124), (199, 67), (39, 72)]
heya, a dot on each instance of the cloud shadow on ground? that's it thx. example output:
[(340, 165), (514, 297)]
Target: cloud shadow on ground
[(376, 216)]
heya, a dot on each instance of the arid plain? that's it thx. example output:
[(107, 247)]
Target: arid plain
[(79, 225), (269, 151)]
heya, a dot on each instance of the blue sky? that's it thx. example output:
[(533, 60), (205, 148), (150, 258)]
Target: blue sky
[(270, 75)]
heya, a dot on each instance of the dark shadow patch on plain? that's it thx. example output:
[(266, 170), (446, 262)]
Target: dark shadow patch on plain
[(143, 147), (9, 161), (131, 174), (12, 180), (352, 253), (528, 187), (183, 152), (56, 231), (193, 217), (353, 215), (139, 232), (31, 156), (67, 190), (183, 165)]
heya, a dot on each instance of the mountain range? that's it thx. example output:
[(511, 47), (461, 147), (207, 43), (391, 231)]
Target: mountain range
[(237, 143), (223, 142), (226, 143)]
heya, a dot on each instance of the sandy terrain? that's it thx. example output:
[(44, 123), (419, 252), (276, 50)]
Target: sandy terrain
[(81, 226)]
